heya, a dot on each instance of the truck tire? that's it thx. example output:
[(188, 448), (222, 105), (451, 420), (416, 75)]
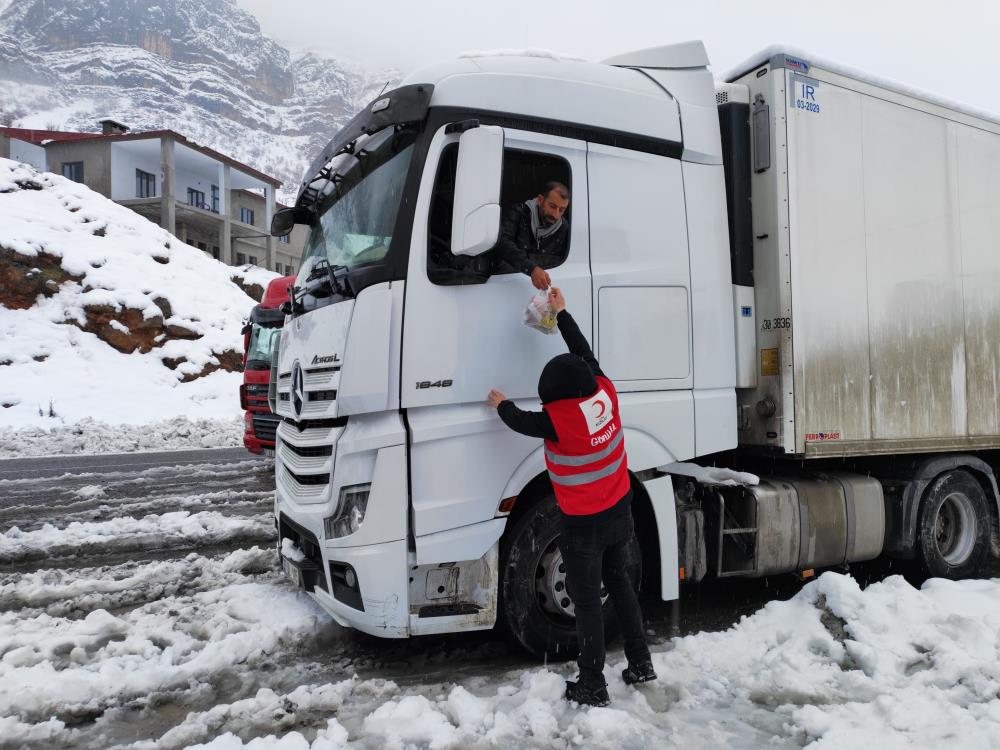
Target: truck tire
[(954, 526), (534, 608)]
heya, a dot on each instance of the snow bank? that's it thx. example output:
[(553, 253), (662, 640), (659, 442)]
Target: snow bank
[(712, 474), (54, 668), (835, 667), (93, 436), (105, 315)]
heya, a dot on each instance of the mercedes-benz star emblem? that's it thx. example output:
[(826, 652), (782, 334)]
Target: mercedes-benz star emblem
[(298, 389)]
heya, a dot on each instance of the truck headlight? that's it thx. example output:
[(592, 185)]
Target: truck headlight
[(350, 511)]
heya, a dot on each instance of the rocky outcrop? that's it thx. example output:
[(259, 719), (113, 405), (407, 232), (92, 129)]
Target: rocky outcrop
[(229, 360), (252, 290), (23, 279)]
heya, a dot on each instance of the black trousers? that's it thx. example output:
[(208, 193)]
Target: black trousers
[(594, 548)]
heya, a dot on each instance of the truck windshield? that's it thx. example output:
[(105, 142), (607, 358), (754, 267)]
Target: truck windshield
[(261, 344), (359, 209)]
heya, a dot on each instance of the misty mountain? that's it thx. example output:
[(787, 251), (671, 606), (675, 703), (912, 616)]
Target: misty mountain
[(200, 67)]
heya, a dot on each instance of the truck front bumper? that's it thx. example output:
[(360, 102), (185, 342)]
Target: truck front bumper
[(360, 587)]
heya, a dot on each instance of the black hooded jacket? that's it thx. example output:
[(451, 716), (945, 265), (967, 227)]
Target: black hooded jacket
[(518, 247), (572, 375)]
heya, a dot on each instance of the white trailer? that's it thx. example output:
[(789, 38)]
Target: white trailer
[(790, 272)]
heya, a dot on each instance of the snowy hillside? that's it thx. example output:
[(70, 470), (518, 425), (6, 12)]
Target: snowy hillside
[(106, 315), (201, 68)]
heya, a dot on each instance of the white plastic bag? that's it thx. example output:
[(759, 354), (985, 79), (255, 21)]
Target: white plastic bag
[(539, 314)]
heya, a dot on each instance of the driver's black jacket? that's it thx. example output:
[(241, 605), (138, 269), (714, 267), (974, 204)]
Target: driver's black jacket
[(518, 247)]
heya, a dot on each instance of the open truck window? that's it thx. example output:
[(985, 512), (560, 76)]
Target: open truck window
[(524, 175)]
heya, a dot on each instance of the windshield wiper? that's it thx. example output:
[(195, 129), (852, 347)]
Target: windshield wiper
[(324, 279)]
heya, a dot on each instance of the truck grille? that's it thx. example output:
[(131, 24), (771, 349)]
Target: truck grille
[(310, 451), (305, 458), (265, 426)]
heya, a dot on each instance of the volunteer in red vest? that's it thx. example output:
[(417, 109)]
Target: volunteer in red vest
[(588, 467)]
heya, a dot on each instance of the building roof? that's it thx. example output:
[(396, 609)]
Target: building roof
[(42, 137)]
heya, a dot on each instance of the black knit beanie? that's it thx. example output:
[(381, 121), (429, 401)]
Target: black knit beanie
[(566, 376)]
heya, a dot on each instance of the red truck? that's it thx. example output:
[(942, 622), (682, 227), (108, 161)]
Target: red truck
[(259, 336)]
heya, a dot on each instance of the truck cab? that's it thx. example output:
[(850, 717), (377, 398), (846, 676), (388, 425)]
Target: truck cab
[(415, 509), (259, 335)]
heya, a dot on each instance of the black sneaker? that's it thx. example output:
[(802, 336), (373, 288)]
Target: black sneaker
[(586, 695), (639, 673)]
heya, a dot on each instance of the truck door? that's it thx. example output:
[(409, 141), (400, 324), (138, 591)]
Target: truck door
[(641, 289), (463, 332)]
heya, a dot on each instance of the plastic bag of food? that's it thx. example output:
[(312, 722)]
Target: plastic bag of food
[(539, 314)]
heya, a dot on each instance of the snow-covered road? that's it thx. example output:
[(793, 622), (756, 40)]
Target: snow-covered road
[(140, 609)]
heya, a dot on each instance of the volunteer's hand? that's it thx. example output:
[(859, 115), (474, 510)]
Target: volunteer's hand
[(495, 398), (556, 300), (540, 278)]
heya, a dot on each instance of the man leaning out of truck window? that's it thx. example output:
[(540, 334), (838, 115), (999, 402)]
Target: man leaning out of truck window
[(585, 455), (534, 234)]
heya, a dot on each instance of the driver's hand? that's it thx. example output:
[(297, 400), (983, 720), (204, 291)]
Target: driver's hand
[(556, 300), (540, 278), (494, 398)]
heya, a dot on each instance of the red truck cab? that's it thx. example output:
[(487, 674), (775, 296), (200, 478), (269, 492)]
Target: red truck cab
[(259, 337)]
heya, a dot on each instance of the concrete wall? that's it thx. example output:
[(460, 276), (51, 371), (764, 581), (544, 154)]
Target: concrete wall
[(96, 158), (197, 236), (25, 152), (196, 181), (123, 165), (243, 199)]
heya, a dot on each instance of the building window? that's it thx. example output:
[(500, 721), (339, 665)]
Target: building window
[(215, 198), (73, 170), (285, 238), (253, 260), (145, 184), (246, 215), (196, 198), (215, 251), (277, 268), (288, 270), (241, 259), (202, 246)]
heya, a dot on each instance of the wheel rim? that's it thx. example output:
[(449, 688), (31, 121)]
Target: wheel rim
[(955, 528), (550, 584)]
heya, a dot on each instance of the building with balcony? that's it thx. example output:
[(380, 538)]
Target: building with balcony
[(205, 198)]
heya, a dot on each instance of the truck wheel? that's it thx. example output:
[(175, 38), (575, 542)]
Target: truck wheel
[(954, 526), (534, 606)]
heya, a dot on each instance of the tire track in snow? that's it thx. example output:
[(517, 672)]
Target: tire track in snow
[(177, 529), (74, 670), (95, 508), (77, 592)]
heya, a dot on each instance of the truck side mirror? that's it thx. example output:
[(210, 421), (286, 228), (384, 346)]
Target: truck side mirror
[(475, 219), (285, 219)]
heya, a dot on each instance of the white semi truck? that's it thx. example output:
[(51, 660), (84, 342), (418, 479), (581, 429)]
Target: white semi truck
[(795, 272)]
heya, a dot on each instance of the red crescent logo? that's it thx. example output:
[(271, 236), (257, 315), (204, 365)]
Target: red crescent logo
[(603, 406)]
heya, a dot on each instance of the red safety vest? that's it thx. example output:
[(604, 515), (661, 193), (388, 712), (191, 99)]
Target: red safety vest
[(588, 466)]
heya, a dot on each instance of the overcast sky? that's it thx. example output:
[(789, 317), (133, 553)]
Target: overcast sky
[(949, 47)]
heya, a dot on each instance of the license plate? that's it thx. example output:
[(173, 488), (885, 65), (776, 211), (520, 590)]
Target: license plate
[(293, 572), (269, 452)]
